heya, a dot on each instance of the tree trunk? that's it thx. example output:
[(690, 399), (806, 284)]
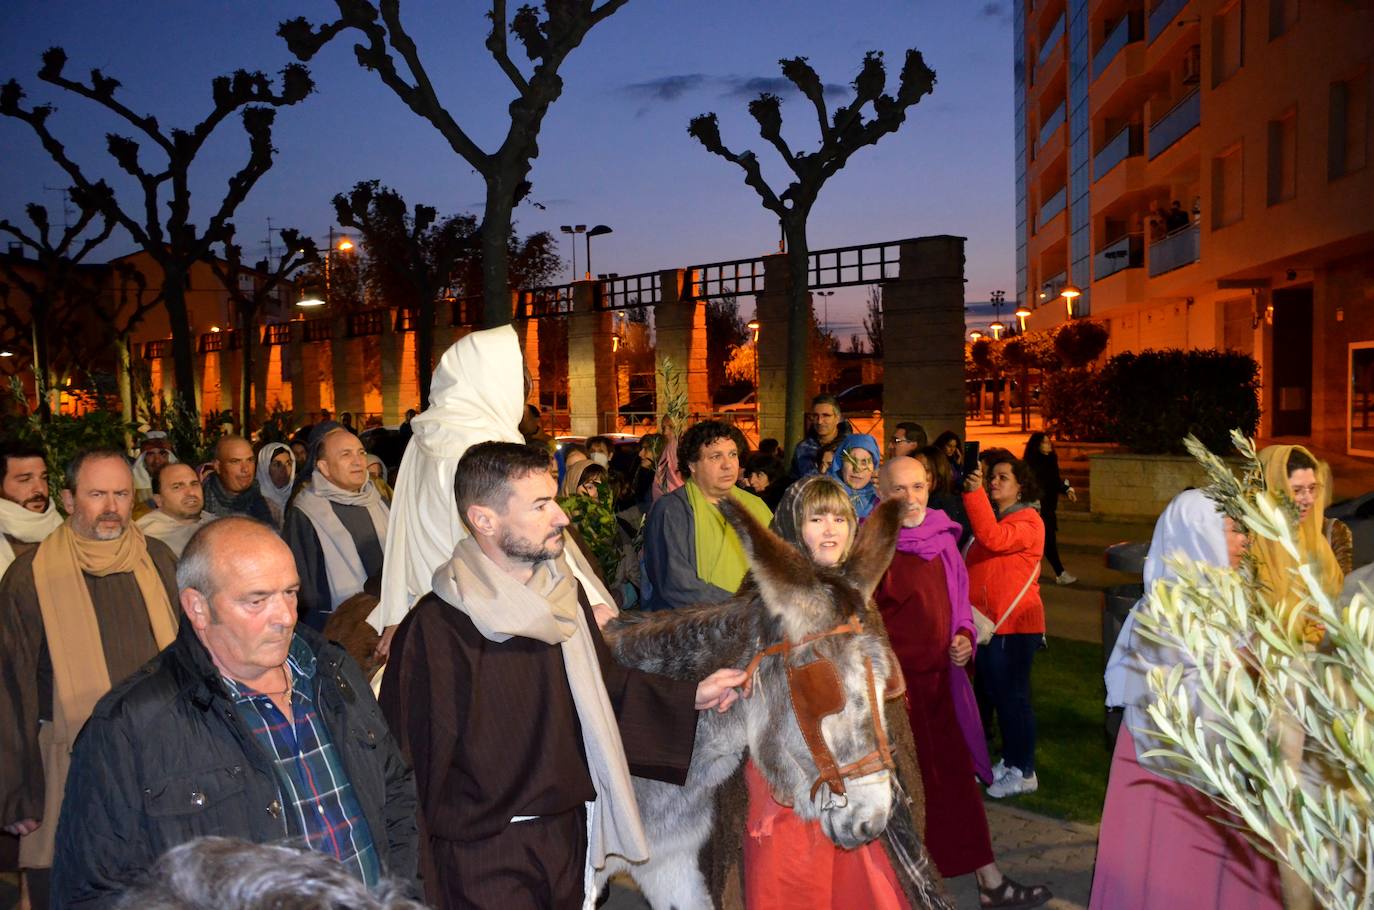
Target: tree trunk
[(424, 347), (798, 333), (495, 231), (42, 376), (183, 351), (248, 345), (128, 393)]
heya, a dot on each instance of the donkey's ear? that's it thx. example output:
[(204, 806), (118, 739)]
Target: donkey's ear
[(874, 546), (785, 577)]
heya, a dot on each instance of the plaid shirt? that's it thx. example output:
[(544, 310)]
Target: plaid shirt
[(314, 788)]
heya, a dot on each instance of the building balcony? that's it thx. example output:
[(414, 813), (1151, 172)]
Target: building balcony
[(1049, 289), (1129, 30), (1052, 41), (1127, 143), (1052, 125), (1174, 251), (1181, 119), (1125, 253), (1122, 288), (1051, 207), (1163, 15)]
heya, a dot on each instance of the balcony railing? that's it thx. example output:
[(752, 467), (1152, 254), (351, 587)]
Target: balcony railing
[(1129, 29), (1163, 14), (1174, 251), (1051, 125), (1056, 34), (321, 329), (1177, 123), (1126, 253), (1127, 143), (1049, 289), (276, 333), (366, 322), (1051, 207)]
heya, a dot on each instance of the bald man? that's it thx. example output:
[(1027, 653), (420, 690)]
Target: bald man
[(180, 502), (336, 528), (233, 488), (247, 726), (84, 609)]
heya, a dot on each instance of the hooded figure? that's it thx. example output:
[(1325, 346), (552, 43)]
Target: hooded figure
[(277, 496), (143, 481), (478, 395), (864, 497)]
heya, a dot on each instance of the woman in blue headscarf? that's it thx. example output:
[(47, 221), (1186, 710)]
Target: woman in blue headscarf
[(856, 466)]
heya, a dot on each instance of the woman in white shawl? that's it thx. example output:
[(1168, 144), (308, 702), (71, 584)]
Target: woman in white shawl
[(276, 477)]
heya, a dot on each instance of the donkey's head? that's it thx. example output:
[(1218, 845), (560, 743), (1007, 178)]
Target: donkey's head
[(815, 722)]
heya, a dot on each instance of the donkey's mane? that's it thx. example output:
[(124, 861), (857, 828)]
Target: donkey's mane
[(691, 642)]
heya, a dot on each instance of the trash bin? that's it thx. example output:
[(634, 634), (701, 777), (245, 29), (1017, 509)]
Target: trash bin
[(1117, 600)]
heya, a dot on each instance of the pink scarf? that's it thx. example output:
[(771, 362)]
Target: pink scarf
[(938, 536)]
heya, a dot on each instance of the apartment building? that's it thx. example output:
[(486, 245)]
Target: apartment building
[(1201, 170)]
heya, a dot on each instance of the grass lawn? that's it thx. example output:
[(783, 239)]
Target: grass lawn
[(1071, 757)]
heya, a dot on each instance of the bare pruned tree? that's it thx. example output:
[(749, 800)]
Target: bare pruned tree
[(159, 220), (388, 50), (873, 320), (249, 289), (55, 287), (842, 134)]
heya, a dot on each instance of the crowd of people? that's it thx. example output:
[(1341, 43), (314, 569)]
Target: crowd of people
[(278, 647)]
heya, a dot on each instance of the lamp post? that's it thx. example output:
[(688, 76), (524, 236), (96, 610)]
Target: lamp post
[(1022, 313), (574, 230), (753, 326), (827, 295), (310, 300), (1070, 292), (615, 382), (594, 232)]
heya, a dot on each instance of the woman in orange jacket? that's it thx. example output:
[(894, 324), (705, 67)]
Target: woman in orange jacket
[(1004, 585)]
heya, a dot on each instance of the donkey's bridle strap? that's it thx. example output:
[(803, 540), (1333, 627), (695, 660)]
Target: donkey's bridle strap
[(817, 693)]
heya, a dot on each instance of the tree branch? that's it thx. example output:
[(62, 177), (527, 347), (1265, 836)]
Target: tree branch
[(706, 130), (101, 91), (496, 44)]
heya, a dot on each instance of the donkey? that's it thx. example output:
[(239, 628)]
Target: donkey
[(795, 625)]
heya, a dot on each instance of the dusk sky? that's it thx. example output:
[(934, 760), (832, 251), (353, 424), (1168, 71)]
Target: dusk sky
[(614, 148)]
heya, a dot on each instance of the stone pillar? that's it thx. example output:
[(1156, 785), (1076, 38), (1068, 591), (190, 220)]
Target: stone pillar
[(262, 380), (923, 337), (591, 392), (680, 336), (392, 366), (346, 358), (771, 312), (305, 395), (527, 331)]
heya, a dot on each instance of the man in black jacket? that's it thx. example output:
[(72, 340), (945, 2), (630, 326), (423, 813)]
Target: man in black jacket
[(245, 726)]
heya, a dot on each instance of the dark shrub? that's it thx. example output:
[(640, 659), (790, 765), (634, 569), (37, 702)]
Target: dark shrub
[(1155, 398), (1073, 404), (1081, 342)]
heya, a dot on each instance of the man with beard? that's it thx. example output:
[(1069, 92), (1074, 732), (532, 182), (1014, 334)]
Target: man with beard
[(179, 499), (512, 711), (336, 528), (87, 607), (27, 512), (233, 488), (155, 453)]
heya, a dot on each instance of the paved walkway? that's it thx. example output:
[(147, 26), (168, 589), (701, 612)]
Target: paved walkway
[(1032, 849)]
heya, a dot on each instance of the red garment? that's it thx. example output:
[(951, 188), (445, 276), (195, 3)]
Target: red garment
[(914, 600), (789, 864), (1004, 554)]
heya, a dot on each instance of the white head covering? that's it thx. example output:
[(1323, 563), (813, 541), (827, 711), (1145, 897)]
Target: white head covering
[(477, 395), (22, 524), (143, 481), (270, 490), (1191, 528)]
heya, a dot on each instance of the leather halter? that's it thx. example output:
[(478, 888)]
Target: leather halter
[(816, 693)]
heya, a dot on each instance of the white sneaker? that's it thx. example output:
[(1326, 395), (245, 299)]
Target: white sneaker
[(1013, 783), (1065, 578), (999, 770)]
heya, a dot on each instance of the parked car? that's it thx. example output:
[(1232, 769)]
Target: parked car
[(748, 403), (866, 396)]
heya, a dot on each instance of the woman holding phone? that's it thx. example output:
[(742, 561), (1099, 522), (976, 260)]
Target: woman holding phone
[(1004, 585)]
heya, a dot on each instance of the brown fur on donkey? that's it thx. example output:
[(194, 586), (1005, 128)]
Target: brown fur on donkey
[(786, 597)]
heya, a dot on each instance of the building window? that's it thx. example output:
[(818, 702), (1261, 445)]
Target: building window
[(1283, 156), (1283, 15), (1227, 197), (1347, 138), (1228, 42)]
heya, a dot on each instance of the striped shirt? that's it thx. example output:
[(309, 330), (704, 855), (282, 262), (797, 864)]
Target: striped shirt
[(313, 787)]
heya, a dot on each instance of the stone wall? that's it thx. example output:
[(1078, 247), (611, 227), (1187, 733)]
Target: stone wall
[(1139, 486)]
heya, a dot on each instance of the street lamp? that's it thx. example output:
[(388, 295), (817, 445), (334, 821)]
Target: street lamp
[(310, 294), (753, 326), (594, 232), (974, 336), (827, 295), (1022, 312), (574, 230), (1070, 292)]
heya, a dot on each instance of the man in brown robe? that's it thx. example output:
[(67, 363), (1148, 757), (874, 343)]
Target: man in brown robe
[(83, 610), (522, 729), (27, 512)]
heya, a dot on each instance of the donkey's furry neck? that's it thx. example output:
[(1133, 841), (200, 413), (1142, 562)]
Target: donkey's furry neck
[(693, 642)]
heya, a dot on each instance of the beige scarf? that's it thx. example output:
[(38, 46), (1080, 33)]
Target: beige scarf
[(80, 676), (547, 609), (176, 533), (342, 564), (20, 523)]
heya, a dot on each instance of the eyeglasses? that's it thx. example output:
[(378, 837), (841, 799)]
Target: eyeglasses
[(1311, 490), (899, 439)]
